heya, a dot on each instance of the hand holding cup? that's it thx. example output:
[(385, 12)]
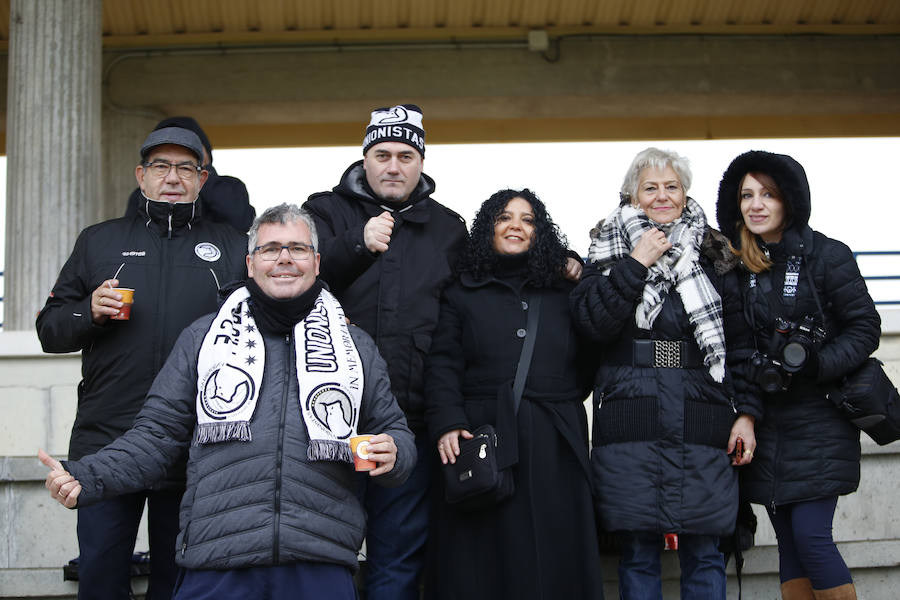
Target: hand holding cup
[(379, 453), (111, 302), (105, 301)]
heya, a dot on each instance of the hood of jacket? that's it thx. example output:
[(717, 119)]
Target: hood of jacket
[(787, 173), (353, 184)]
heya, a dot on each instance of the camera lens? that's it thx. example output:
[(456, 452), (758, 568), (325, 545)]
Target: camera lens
[(794, 356), (770, 379)]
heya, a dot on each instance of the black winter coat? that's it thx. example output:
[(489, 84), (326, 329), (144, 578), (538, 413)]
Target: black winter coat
[(542, 542), (176, 275), (393, 296), (660, 434), (805, 448)]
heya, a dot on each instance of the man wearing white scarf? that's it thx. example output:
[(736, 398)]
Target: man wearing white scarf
[(265, 394)]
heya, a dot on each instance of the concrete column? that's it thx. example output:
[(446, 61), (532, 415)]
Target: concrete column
[(123, 133), (53, 144)]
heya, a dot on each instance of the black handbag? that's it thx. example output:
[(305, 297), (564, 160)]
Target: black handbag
[(869, 399), (476, 480)]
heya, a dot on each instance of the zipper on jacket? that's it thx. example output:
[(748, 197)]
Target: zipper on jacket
[(184, 538), (279, 453), (162, 278)]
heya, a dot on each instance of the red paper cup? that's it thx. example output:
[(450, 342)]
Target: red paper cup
[(359, 445), (127, 300)]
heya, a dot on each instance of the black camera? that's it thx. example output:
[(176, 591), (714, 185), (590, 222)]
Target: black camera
[(790, 348)]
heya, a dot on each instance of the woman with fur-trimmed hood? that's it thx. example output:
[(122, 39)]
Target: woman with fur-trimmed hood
[(813, 323), (670, 399)]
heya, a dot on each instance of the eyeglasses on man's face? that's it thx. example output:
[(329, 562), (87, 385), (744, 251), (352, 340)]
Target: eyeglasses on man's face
[(161, 168), (273, 251)]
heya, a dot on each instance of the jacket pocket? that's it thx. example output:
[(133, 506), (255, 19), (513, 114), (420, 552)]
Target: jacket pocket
[(626, 419)]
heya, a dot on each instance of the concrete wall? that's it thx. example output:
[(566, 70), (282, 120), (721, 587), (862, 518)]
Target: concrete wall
[(37, 535), (593, 88)]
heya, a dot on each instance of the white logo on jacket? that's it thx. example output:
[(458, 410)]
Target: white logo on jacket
[(207, 251)]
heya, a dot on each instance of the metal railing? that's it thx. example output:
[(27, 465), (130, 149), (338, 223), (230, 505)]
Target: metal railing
[(891, 276)]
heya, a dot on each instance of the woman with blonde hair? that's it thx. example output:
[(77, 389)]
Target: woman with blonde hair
[(671, 400)]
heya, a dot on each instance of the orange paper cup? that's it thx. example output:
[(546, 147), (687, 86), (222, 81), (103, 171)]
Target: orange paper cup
[(359, 445), (127, 300)]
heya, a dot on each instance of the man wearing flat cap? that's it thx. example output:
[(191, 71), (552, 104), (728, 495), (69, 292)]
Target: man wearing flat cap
[(387, 251), (224, 198), (175, 261)]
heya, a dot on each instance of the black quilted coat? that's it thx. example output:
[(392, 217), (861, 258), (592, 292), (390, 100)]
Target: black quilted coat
[(659, 458), (806, 449)]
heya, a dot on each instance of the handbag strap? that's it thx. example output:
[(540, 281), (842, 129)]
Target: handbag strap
[(534, 313)]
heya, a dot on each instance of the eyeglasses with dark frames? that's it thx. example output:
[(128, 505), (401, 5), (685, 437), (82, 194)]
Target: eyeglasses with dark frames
[(161, 168), (296, 251)]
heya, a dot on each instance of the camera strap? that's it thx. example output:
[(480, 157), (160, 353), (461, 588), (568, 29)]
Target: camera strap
[(763, 283)]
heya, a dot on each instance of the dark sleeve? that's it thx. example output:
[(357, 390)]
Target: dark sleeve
[(739, 348), (586, 364), (380, 412), (572, 254), (847, 301), (602, 305), (343, 249), (161, 432), (225, 200), (445, 369), (65, 324)]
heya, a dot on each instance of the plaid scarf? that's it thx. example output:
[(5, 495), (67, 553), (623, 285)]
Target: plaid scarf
[(614, 238)]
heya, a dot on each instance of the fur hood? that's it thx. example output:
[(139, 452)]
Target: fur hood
[(787, 173)]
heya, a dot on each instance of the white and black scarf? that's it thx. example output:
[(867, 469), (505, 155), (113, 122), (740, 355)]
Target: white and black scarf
[(329, 375), (680, 266)]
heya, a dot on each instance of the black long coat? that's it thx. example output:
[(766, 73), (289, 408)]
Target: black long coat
[(660, 434), (805, 448), (541, 543)]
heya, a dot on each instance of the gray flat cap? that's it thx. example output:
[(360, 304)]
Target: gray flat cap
[(173, 135)]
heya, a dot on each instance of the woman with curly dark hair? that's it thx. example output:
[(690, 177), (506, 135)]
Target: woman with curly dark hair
[(540, 543)]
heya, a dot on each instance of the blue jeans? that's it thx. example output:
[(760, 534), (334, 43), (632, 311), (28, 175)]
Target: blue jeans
[(805, 545), (397, 529), (298, 581), (106, 535), (640, 572)]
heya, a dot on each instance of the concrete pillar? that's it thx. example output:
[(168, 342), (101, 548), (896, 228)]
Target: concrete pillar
[(53, 144), (123, 133)]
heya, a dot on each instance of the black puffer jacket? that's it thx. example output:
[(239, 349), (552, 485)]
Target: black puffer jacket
[(806, 449), (393, 296), (176, 269), (660, 434)]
